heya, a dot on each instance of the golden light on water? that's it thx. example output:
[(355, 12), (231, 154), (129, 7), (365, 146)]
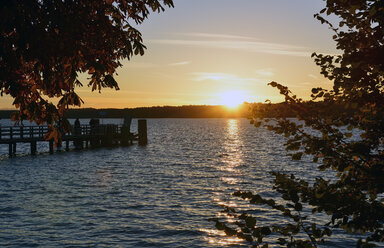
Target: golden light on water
[(233, 128), (224, 241), (232, 147), (229, 180), (230, 204), (230, 165), (218, 238)]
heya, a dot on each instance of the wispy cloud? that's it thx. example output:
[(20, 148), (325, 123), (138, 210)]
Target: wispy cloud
[(246, 44), (140, 65), (145, 65), (266, 72), (223, 77), (218, 36), (180, 63), (313, 76)]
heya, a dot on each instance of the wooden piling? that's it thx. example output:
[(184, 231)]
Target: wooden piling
[(107, 139), (142, 129), (125, 136), (67, 145), (33, 147), (59, 145), (10, 153), (51, 146), (14, 149)]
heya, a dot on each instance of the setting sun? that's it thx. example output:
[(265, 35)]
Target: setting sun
[(232, 99)]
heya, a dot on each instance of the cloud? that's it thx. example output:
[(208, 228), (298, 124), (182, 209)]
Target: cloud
[(312, 76), (266, 72), (304, 84), (180, 63), (140, 65), (145, 65), (218, 36), (223, 77), (246, 44)]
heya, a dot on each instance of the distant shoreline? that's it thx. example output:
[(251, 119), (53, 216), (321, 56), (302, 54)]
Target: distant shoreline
[(189, 111)]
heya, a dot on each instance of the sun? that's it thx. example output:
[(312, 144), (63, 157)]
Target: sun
[(232, 99)]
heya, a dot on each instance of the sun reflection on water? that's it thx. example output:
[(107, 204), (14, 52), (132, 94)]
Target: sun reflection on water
[(219, 238), (233, 127), (232, 147), (230, 180), (230, 164)]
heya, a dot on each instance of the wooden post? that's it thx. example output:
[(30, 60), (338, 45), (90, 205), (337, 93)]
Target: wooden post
[(10, 132), (124, 135), (30, 132), (33, 147), (59, 145), (21, 132), (51, 146), (142, 129), (67, 145), (14, 150), (107, 135), (78, 143), (10, 150)]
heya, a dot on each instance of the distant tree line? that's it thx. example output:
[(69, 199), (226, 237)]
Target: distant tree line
[(246, 110), (190, 111)]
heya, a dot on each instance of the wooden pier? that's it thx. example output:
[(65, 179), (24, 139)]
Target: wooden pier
[(83, 136)]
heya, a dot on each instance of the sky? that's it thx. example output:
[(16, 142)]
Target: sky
[(213, 52)]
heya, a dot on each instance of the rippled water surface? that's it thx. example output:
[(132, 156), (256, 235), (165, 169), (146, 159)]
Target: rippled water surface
[(161, 195)]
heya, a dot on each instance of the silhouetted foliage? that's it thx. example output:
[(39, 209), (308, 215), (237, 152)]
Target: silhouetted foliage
[(45, 44), (344, 134)]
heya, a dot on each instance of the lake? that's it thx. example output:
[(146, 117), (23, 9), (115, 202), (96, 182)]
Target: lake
[(161, 195)]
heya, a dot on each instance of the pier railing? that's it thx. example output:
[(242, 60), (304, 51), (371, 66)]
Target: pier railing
[(27, 133), (22, 132), (94, 135)]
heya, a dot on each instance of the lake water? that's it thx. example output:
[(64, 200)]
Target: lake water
[(161, 195)]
